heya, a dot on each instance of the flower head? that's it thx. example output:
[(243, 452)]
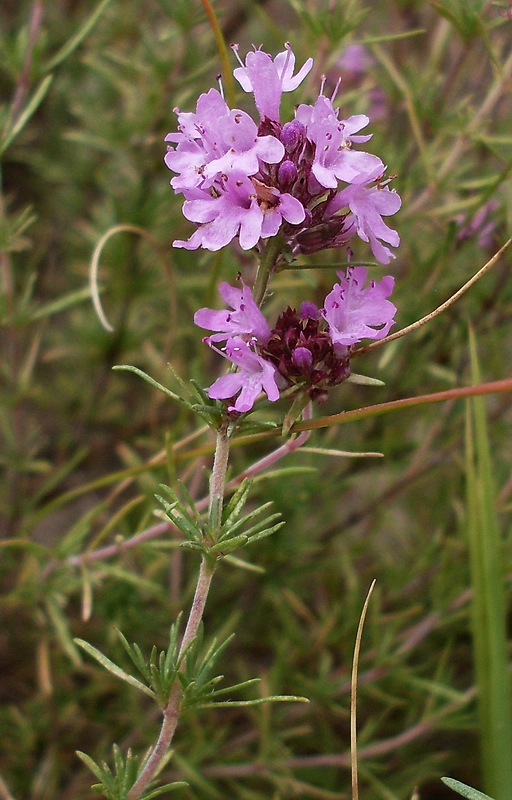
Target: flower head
[(196, 139), (307, 178), (214, 140), (232, 210), (308, 351)]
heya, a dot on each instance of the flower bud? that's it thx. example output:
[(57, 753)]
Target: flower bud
[(302, 358), (286, 175), (292, 134), (308, 310)]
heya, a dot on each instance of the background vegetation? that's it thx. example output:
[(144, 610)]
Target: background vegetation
[(83, 447)]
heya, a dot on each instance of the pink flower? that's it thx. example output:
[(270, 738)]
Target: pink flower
[(245, 320), (268, 78), (334, 159), (196, 139), (216, 139), (254, 375), (243, 147), (239, 206), (368, 205), (354, 313)]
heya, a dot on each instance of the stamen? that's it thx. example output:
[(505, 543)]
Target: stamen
[(287, 59), (322, 84), (235, 48), (335, 92), (221, 88)]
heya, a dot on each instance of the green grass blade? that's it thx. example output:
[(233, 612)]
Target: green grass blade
[(488, 611)]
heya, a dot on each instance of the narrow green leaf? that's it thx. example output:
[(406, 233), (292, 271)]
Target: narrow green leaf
[(236, 525), (256, 702), (214, 652), (135, 654), (113, 668), (179, 379), (262, 534), (235, 687), (144, 584), (168, 787), (364, 380), (242, 564), (178, 508), (194, 546), (464, 790), (95, 768), (62, 303), (233, 509), (179, 518), (228, 545), (33, 547), (30, 109), (207, 412), (152, 382), (189, 501)]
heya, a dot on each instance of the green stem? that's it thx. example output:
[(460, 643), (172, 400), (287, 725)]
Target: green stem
[(268, 260)]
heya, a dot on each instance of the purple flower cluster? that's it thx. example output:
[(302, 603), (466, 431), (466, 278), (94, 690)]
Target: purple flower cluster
[(305, 178), (309, 350)]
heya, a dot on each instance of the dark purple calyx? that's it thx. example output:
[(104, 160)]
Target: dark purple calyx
[(303, 354)]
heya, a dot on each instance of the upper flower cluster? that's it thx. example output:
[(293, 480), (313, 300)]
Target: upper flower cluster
[(304, 178), (309, 349)]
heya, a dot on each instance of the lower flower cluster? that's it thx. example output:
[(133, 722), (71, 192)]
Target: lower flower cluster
[(308, 350)]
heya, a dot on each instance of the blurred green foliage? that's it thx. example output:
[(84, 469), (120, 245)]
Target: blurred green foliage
[(89, 92)]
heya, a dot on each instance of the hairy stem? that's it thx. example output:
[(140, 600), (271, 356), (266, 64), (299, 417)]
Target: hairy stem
[(204, 580), (218, 480), (172, 709)]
